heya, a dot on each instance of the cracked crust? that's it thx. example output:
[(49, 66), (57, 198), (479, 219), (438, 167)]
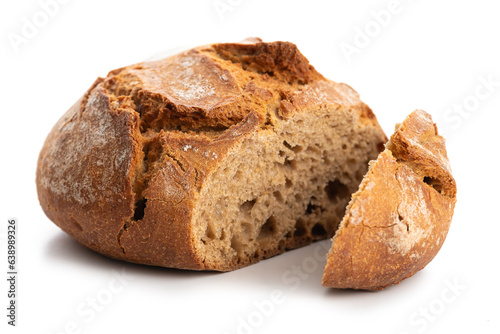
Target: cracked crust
[(399, 218), (122, 170)]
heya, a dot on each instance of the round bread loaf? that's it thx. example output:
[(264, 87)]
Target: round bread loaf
[(212, 159)]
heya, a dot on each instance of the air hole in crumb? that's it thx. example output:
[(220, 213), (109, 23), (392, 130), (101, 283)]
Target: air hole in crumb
[(295, 149), (288, 183), (256, 255), (325, 158), (434, 183), (268, 229), (247, 206), (140, 206), (290, 163), (318, 230), (313, 149), (210, 233), (298, 197), (310, 208), (236, 244), (344, 146), (300, 228), (278, 196), (335, 190), (288, 146), (282, 153)]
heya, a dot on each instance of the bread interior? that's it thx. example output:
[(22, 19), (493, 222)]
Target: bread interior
[(282, 188)]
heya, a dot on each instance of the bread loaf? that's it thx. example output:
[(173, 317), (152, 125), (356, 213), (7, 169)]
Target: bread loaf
[(212, 159), (399, 218)]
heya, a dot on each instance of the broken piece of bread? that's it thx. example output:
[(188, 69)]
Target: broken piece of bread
[(399, 218)]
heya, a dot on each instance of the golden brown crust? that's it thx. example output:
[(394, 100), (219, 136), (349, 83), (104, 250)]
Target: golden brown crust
[(399, 218), (85, 167), (117, 172)]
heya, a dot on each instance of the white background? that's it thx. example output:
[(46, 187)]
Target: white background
[(433, 55)]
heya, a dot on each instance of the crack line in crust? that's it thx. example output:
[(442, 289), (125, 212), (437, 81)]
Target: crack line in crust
[(177, 161), (152, 153)]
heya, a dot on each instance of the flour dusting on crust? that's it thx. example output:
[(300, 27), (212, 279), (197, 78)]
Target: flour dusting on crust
[(82, 142)]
